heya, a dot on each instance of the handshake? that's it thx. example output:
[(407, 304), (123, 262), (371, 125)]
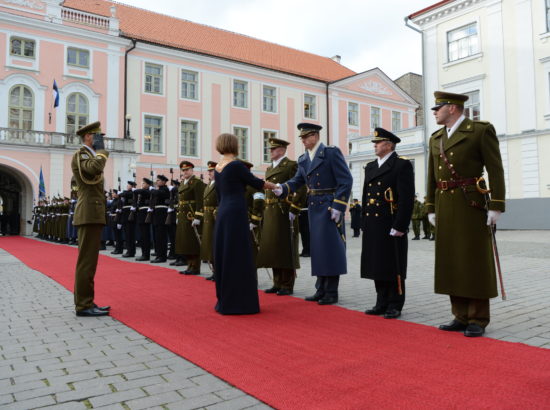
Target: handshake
[(276, 188)]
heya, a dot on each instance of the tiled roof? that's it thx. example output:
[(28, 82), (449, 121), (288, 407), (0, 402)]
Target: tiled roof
[(183, 34)]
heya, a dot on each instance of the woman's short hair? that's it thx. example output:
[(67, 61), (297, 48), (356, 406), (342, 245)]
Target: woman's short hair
[(227, 144)]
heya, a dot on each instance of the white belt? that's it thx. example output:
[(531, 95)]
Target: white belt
[(143, 207), (127, 207), (161, 206)]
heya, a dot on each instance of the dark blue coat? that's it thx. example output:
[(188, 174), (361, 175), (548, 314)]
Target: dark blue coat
[(328, 170)]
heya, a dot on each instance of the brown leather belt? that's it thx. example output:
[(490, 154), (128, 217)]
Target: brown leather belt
[(321, 191), (455, 183)]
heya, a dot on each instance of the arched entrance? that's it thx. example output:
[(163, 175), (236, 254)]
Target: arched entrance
[(16, 195)]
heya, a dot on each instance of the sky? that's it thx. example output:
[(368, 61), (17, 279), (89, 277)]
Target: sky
[(365, 33)]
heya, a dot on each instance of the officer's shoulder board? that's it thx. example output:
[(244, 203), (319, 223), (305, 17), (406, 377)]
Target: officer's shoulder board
[(405, 158), (83, 153), (302, 157), (438, 132)]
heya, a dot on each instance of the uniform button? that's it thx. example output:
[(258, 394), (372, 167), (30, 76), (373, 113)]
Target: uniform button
[(451, 165), (370, 184), (311, 203), (317, 174), (440, 167), (377, 204), (379, 183), (367, 214), (368, 204), (378, 193), (452, 191), (368, 193), (318, 183), (376, 215), (452, 153)]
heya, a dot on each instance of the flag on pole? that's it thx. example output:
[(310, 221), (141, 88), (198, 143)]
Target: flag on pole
[(55, 95), (41, 186)]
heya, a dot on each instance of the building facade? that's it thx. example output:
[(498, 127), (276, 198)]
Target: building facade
[(163, 95), (498, 52)]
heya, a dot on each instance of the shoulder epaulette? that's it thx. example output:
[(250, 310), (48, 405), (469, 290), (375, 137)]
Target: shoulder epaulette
[(407, 158), (481, 122), (438, 132)]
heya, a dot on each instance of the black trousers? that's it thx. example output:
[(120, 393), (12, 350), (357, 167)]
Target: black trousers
[(303, 223), (356, 232), (327, 285), (387, 295), (119, 243), (145, 239), (130, 236), (161, 240), (172, 238)]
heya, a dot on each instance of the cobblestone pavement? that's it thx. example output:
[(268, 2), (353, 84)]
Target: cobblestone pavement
[(51, 358)]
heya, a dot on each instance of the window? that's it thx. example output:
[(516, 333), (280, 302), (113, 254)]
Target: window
[(471, 106), (22, 47), (270, 99), (189, 84), (395, 120), (547, 15), (374, 117), (152, 134), (78, 57), (353, 114), (462, 42), (153, 78), (309, 106), (240, 93), (188, 146), (77, 112), (242, 135), (267, 149), (20, 108)]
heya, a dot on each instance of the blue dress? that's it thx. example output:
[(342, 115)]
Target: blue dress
[(235, 273)]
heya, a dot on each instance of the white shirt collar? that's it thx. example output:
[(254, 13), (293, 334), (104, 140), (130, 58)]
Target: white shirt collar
[(278, 161), (451, 131), (185, 181), (313, 151), (212, 182), (383, 159), (89, 149)]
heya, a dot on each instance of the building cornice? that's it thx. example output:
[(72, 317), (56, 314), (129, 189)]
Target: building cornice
[(464, 81), (439, 13), (525, 134)]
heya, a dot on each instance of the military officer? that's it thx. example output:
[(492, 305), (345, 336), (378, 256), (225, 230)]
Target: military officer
[(356, 213), (87, 165), (190, 196), (463, 217), (141, 200), (115, 212), (161, 197), (171, 220), (417, 217), (280, 223), (326, 174), (128, 222), (388, 198), (207, 214)]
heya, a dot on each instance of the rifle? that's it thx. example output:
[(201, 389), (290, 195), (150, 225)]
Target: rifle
[(135, 202), (171, 216), (152, 204)]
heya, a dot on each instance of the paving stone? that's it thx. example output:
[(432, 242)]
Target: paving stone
[(32, 403), (117, 397), (195, 402), (236, 403), (71, 405), (156, 400)]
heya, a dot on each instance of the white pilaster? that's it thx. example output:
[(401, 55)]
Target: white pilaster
[(57, 164), (530, 167), (113, 90)]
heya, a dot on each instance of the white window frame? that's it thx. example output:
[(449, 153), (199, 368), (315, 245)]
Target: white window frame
[(247, 128), (275, 99), (356, 124), (371, 125), (78, 51), (162, 78), (196, 121), (469, 56), (163, 133), (400, 120), (23, 39), (547, 15), (77, 115), (247, 93), (197, 88), (468, 105), (265, 145), (21, 107), (315, 106), (16, 61)]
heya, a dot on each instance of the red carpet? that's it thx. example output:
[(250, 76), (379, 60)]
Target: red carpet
[(299, 355)]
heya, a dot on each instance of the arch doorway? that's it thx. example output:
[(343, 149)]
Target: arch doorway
[(15, 202)]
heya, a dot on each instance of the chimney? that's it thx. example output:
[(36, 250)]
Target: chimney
[(336, 58)]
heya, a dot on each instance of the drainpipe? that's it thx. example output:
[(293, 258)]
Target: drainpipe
[(328, 116), (126, 84)]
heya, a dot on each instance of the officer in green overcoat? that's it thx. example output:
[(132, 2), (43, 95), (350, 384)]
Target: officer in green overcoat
[(207, 215), (87, 165), (280, 226), (190, 196), (463, 217)]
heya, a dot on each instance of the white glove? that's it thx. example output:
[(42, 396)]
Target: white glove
[(151, 188), (171, 187), (119, 226), (335, 214), (431, 218), (118, 211), (149, 209), (394, 232), (133, 208), (492, 217), (170, 210), (73, 201), (291, 217), (196, 222), (133, 189), (278, 190), (252, 226)]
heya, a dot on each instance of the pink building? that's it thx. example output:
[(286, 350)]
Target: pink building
[(163, 94)]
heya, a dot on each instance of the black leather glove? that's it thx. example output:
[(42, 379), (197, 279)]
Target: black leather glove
[(98, 143)]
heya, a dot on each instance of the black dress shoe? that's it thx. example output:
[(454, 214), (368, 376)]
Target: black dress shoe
[(314, 298), (115, 252), (425, 237), (284, 292), (93, 311), (304, 254), (211, 277), (128, 255), (454, 326), (171, 257), (110, 243), (375, 311), (142, 258), (328, 300), (416, 238), (192, 272), (103, 308), (178, 262), (392, 314), (473, 330), (272, 290), (158, 260)]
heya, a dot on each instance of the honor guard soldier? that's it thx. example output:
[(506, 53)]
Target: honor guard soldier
[(280, 224), (326, 174), (417, 216), (208, 216), (87, 165), (115, 212), (190, 196), (160, 200), (141, 200), (388, 198), (171, 220), (129, 222), (356, 214), (462, 211)]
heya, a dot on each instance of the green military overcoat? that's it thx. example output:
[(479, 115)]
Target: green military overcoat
[(207, 215), (464, 264), (277, 250), (418, 210), (255, 203), (88, 173), (190, 198)]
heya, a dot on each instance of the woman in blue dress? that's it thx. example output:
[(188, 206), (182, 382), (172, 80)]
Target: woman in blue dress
[(235, 273)]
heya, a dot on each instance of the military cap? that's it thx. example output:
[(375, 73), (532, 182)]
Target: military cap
[(162, 178), (307, 128), (186, 165), (115, 191), (442, 98), (175, 182), (147, 181), (132, 183), (380, 134), (249, 165), (211, 165), (276, 143), (92, 128)]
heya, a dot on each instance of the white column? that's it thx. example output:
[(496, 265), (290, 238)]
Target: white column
[(56, 174), (506, 165)]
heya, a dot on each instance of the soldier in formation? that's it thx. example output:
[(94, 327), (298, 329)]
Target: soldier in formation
[(207, 215), (417, 217)]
